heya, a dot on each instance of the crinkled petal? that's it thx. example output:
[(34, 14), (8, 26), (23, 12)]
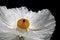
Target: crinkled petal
[(45, 25), (41, 18), (6, 33), (5, 29), (9, 16), (25, 38), (30, 35), (7, 36)]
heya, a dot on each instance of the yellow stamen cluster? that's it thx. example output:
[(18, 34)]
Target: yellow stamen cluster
[(23, 23)]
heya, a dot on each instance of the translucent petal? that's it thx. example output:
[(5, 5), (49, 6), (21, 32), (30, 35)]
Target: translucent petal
[(25, 38), (8, 15), (7, 36), (45, 24), (23, 10), (42, 18), (5, 32), (30, 36)]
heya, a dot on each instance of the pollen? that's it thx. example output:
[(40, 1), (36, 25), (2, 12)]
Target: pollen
[(23, 23)]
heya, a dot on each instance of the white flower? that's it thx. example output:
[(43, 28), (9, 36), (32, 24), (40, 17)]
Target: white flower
[(31, 25)]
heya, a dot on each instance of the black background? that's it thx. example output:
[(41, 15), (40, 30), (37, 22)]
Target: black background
[(34, 5)]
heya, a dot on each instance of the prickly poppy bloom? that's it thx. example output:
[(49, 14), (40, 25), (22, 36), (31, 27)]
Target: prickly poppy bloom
[(21, 24)]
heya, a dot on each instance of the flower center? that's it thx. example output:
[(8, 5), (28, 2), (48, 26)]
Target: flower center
[(23, 23)]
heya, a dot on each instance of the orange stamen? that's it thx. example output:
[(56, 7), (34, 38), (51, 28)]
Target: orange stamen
[(23, 23)]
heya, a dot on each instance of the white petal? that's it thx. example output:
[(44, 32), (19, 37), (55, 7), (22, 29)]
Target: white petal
[(5, 28), (25, 38), (41, 18), (10, 15), (28, 34), (46, 25), (23, 10), (7, 36), (2, 14)]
